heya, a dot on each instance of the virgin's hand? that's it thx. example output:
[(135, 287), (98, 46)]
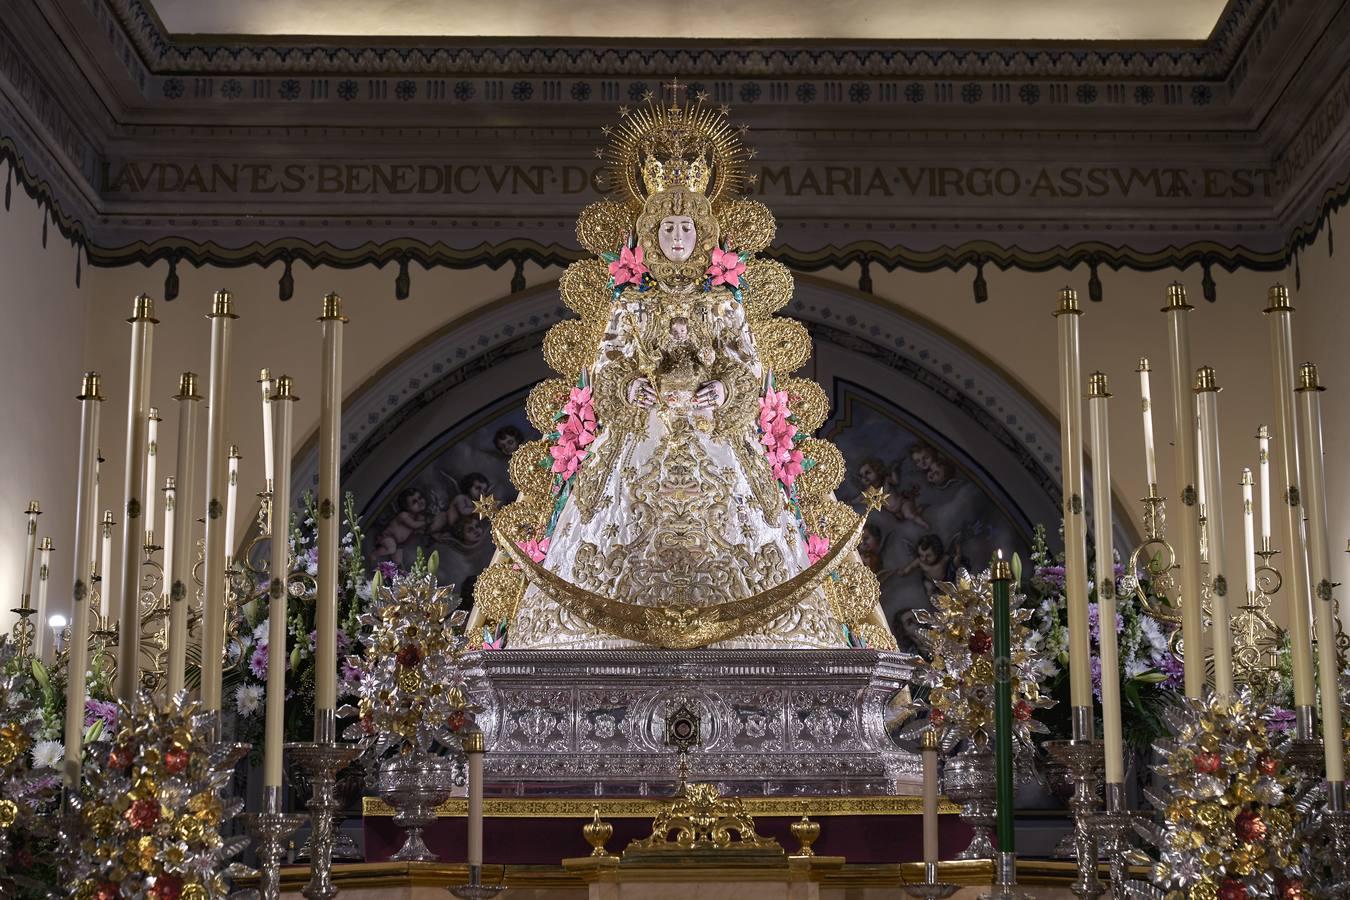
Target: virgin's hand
[(710, 394), (641, 393)]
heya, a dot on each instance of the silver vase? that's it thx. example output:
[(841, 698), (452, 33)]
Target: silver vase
[(414, 784), (968, 779)]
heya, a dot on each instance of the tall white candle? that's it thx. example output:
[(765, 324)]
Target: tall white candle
[(95, 566), (231, 500), (134, 512), (151, 492), (185, 496), (170, 500), (473, 748), (265, 383), (1146, 405), (1324, 598), (1295, 568), (929, 747), (1075, 524), (1248, 533), (1263, 466), (85, 516), (44, 575), (274, 725), (30, 554), (1112, 737), (1183, 421), (332, 322), (105, 589), (213, 609), (1207, 397)]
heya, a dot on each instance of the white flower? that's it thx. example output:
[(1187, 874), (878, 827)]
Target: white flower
[(247, 698), (48, 754), (260, 633)]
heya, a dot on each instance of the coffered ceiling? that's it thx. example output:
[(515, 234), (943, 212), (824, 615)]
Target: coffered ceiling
[(965, 20)]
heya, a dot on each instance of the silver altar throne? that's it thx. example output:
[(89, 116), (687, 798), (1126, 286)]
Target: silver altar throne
[(773, 722)]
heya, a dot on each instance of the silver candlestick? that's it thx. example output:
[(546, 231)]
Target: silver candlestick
[(414, 784), (930, 887), (968, 779), (321, 760), (1115, 830), (271, 830), (1083, 757), (1005, 879)]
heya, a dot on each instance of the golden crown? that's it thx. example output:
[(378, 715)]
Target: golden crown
[(663, 146)]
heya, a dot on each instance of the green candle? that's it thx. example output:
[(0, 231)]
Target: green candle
[(1003, 754)]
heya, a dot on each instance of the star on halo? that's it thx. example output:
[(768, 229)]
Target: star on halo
[(875, 498), (486, 506)]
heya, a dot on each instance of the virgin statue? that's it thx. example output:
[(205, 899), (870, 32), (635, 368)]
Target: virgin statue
[(677, 499)]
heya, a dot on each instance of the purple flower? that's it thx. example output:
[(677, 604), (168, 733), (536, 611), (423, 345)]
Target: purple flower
[(1175, 670), (1280, 720), (343, 641), (388, 570), (258, 663), (1097, 676), (100, 711), (351, 675)]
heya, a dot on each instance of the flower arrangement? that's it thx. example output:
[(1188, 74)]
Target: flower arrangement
[(576, 431), (778, 434), (411, 694), (1231, 816), (958, 670), (246, 679), (29, 784), (1151, 674), (146, 821)]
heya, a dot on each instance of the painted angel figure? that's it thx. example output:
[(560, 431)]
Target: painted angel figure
[(678, 500)]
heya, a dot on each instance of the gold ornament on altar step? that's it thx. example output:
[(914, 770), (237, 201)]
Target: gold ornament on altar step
[(597, 833), (806, 832), (702, 819)]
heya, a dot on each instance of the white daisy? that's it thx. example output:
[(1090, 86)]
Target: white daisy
[(48, 754), (247, 698)]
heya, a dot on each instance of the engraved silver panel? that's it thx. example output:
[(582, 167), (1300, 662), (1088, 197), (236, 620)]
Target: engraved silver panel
[(773, 722)]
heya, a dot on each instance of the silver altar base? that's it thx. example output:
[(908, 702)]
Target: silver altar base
[(809, 722), (968, 779)]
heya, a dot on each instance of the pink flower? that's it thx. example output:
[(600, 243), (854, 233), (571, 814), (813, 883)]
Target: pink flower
[(628, 268), (726, 267), (816, 547), (567, 458), (575, 431), (579, 404), (535, 550), (788, 467)]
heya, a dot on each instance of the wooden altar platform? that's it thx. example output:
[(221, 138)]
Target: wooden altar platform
[(1049, 880)]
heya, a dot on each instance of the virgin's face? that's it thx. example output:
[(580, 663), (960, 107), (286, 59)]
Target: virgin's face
[(677, 235)]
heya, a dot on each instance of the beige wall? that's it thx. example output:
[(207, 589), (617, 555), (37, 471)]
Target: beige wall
[(41, 341)]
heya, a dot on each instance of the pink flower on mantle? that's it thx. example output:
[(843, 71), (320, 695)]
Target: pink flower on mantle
[(535, 550), (575, 432), (788, 467), (579, 404), (726, 267), (628, 268), (816, 547), (567, 458)]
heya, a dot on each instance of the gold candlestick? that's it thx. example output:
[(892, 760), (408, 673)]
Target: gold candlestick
[(24, 631)]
